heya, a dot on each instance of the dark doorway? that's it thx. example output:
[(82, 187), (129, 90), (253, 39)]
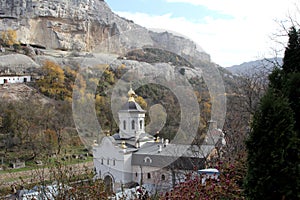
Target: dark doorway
[(108, 184), (25, 80), (5, 81)]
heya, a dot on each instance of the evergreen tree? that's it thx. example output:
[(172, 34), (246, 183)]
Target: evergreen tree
[(292, 91), (271, 150), (291, 74), (291, 60), (273, 158)]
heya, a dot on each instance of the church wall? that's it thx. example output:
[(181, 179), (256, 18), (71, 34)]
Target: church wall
[(155, 179), (127, 175), (105, 169), (120, 172), (111, 159), (161, 179)]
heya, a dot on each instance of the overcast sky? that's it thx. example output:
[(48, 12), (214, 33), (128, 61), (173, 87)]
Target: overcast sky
[(231, 31)]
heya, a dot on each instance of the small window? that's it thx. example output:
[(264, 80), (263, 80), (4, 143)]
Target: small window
[(101, 161), (149, 176), (163, 177), (141, 124), (136, 174), (124, 125), (114, 162), (132, 125), (107, 161)]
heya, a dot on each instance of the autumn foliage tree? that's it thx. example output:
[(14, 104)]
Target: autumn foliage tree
[(55, 84)]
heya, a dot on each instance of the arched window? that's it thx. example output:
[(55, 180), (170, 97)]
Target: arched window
[(101, 161), (124, 125), (147, 159), (149, 176), (163, 177), (141, 124), (132, 125)]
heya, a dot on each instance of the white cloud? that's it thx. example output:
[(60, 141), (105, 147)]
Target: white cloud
[(242, 8), (243, 37)]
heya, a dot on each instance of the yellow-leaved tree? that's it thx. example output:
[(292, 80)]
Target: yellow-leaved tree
[(141, 101), (53, 83), (9, 37)]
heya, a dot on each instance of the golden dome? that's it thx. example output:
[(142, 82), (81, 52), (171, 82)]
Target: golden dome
[(131, 95), (123, 145)]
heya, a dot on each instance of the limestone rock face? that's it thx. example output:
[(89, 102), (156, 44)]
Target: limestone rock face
[(178, 45), (83, 25), (17, 61)]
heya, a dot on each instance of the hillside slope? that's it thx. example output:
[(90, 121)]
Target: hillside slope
[(265, 65)]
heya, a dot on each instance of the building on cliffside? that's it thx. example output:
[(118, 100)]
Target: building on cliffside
[(134, 157), (6, 79)]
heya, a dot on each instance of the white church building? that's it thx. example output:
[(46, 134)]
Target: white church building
[(134, 157), (14, 79)]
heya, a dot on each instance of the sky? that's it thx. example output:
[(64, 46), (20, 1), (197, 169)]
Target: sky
[(231, 31)]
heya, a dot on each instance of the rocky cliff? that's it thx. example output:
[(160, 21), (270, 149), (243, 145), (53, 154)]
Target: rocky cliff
[(83, 25)]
